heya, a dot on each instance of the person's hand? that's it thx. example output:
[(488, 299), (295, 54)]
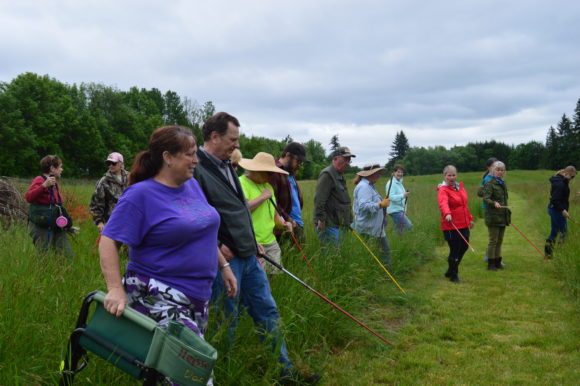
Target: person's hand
[(116, 301), (320, 226), (471, 224), (261, 250), (266, 194), (448, 218), (230, 281), (385, 203), (101, 226), (406, 194), (288, 225), (50, 181), (565, 213), (497, 205), (227, 252)]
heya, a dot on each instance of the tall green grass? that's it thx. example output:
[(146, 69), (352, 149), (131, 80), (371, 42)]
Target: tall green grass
[(40, 295)]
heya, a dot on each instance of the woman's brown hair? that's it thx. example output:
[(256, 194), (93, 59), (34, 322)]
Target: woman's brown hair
[(173, 139)]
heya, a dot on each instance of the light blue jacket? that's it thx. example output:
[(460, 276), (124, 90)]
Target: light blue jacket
[(397, 196), (368, 216)]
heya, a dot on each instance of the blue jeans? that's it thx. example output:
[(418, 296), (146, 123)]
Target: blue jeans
[(401, 222), (559, 224), (254, 295), (330, 235)]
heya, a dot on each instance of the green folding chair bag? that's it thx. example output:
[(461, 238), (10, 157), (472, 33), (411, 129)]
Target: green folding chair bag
[(108, 336), (123, 341), (181, 354)]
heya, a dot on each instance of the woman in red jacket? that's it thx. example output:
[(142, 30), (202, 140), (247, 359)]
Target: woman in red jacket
[(455, 218), (44, 192)]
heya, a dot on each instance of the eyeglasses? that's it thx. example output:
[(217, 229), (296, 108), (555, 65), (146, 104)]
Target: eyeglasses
[(348, 160)]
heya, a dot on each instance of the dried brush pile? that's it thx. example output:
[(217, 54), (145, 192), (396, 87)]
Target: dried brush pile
[(13, 207)]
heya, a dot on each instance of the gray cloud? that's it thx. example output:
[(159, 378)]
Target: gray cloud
[(445, 72)]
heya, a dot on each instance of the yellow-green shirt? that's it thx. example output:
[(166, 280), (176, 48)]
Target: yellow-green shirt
[(263, 215)]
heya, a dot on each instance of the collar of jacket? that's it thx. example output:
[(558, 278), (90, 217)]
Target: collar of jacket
[(208, 164)]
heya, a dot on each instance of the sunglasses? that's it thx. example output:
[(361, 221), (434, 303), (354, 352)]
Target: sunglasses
[(112, 163)]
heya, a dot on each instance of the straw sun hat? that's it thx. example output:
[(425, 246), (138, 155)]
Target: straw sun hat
[(262, 162), (370, 169)]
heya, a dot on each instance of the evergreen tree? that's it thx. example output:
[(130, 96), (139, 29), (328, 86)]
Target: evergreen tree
[(399, 147), (334, 144)]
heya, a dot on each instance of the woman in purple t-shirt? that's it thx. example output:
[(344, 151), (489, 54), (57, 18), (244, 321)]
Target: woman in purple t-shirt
[(171, 230)]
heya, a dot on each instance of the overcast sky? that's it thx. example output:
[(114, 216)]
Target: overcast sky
[(445, 72)]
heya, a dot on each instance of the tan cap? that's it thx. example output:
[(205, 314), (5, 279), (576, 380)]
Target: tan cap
[(262, 162), (370, 169)]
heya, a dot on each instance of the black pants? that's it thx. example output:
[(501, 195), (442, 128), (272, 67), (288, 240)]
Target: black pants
[(457, 248)]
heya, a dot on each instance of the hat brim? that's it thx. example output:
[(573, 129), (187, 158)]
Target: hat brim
[(368, 173), (257, 166)]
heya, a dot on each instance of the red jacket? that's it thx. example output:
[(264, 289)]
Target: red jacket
[(453, 202), (38, 194)]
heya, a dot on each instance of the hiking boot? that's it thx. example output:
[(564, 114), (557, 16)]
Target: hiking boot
[(548, 248), (491, 265), (293, 377), (498, 263), (455, 279)]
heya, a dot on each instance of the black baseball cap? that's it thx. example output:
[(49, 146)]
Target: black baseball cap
[(296, 149)]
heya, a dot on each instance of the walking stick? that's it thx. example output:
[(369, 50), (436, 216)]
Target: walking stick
[(390, 184), (528, 240), (378, 261), (98, 241), (269, 260), (293, 238), (573, 222), (464, 239)]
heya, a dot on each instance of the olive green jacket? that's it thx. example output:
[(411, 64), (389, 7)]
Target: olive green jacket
[(332, 203), (494, 192)]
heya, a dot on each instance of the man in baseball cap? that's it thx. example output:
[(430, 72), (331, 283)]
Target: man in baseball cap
[(286, 190), (332, 205)]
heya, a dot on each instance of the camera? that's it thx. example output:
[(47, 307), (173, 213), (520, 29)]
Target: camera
[(51, 175)]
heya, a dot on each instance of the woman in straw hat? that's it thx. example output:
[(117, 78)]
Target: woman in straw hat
[(370, 217), (559, 205), (262, 203)]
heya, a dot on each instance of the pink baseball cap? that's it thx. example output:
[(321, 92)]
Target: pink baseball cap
[(115, 157)]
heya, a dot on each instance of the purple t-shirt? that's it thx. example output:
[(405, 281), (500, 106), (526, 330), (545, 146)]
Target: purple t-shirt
[(171, 232)]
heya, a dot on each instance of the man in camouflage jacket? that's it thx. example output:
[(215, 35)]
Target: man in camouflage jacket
[(108, 190)]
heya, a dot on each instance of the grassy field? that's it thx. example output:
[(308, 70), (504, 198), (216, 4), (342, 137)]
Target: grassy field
[(517, 326)]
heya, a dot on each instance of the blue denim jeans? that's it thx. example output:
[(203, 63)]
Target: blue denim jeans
[(330, 235), (401, 222), (559, 224), (255, 296)]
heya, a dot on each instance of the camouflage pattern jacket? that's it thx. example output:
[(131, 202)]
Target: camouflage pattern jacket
[(106, 195)]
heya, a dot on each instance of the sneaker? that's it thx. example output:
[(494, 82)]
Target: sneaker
[(293, 377)]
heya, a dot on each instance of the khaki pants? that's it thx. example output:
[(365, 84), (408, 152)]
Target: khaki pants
[(495, 241), (274, 252)]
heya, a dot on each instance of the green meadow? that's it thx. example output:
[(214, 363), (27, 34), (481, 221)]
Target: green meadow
[(516, 326)]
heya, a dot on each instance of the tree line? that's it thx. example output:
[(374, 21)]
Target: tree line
[(561, 148), (81, 124), (40, 115)]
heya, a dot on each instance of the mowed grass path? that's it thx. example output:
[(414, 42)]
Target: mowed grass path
[(515, 326)]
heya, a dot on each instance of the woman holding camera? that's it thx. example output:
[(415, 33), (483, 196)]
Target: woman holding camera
[(45, 200)]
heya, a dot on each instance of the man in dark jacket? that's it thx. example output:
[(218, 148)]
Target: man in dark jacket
[(288, 196), (236, 238), (332, 205), (559, 205)]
